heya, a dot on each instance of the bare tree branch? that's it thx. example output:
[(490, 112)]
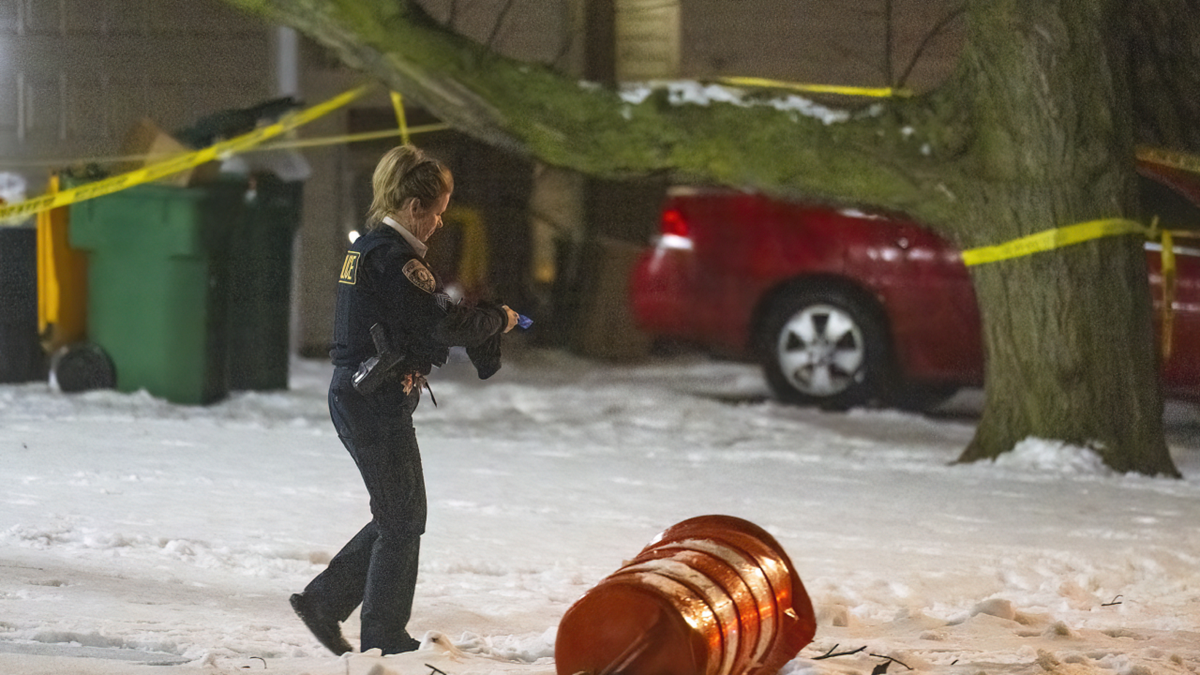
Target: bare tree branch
[(508, 5), (933, 32)]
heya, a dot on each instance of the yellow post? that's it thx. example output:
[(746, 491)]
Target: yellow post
[(473, 261), (401, 118), (62, 279)]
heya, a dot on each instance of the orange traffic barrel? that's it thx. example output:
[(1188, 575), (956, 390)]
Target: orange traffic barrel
[(712, 595)]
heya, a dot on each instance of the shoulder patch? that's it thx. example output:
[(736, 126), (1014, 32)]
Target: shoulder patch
[(349, 273), (419, 275)]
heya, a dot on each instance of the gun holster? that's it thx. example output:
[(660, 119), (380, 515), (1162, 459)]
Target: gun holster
[(374, 371)]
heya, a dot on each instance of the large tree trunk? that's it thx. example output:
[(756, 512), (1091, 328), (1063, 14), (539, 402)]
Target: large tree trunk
[(1070, 363), (1068, 333)]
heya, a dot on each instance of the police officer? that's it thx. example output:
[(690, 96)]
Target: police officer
[(384, 281)]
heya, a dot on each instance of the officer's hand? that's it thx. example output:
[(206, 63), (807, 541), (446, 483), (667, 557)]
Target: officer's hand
[(512, 318)]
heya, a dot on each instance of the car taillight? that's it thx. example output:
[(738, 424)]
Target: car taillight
[(673, 224), (674, 231)]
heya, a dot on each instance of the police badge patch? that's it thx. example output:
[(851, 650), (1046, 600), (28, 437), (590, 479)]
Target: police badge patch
[(349, 273), (419, 275)]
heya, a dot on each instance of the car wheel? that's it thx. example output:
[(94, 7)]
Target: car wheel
[(824, 347)]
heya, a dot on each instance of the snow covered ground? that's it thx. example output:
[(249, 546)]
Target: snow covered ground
[(140, 537)]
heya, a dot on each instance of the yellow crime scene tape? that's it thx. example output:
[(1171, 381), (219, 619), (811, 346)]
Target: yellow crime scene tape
[(1108, 227), (1059, 237), (879, 92), (355, 138), (273, 145), (180, 162), (1093, 229), (1047, 240)]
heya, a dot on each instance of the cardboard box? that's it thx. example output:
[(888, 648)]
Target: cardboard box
[(146, 138)]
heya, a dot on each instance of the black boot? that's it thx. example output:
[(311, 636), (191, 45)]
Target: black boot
[(407, 643), (324, 627)]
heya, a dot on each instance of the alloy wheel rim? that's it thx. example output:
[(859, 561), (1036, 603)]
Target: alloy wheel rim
[(820, 351)]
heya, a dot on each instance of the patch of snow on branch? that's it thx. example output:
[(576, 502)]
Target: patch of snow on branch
[(680, 92)]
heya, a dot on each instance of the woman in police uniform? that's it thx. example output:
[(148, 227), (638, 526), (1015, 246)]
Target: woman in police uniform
[(384, 281)]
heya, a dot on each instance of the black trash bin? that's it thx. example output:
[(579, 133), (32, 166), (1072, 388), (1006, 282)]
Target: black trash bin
[(21, 355), (260, 283)]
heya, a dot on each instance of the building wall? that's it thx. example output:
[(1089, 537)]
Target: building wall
[(839, 42), (815, 41), (328, 205), (75, 75)]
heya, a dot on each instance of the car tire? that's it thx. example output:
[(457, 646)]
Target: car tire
[(825, 347)]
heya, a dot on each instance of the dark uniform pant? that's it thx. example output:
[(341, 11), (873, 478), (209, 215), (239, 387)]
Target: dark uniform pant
[(378, 567)]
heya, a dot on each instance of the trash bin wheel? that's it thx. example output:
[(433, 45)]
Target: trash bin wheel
[(82, 366)]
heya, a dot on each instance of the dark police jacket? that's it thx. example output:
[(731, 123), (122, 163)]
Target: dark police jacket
[(383, 280)]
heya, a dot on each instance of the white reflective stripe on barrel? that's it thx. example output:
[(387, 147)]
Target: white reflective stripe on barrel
[(767, 560), (718, 600), (755, 578), (724, 574)]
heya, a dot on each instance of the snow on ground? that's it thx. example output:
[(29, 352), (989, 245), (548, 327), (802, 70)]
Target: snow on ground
[(140, 537)]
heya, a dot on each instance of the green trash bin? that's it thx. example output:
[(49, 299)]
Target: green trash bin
[(260, 285), (157, 285)]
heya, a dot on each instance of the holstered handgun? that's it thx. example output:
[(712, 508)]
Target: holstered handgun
[(374, 371)]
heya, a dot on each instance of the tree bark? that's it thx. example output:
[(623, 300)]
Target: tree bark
[(1070, 363), (1068, 333), (1033, 132)]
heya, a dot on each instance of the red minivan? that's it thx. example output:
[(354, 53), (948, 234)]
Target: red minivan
[(845, 306)]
